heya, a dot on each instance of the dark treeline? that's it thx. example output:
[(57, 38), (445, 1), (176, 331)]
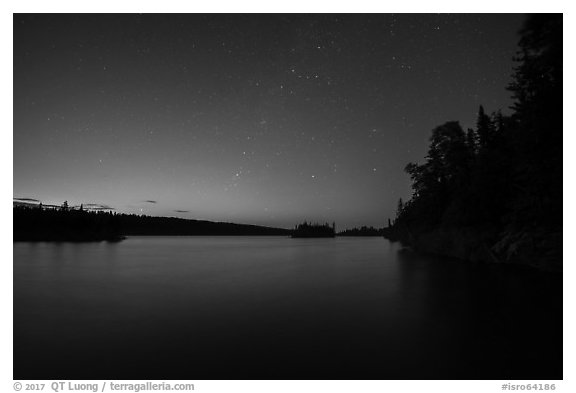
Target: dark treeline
[(363, 231), (134, 225), (66, 224), (494, 192), (314, 230), (63, 224)]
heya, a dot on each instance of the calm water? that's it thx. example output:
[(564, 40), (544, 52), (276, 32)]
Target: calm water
[(277, 308)]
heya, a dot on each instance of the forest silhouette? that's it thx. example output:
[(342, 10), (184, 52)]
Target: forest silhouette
[(38, 223), (494, 193), (362, 231), (314, 230)]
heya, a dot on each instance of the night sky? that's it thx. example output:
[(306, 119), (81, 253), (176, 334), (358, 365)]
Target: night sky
[(261, 119)]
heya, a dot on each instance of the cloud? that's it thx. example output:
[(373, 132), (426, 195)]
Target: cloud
[(96, 206), (182, 211), (151, 201), (26, 200)]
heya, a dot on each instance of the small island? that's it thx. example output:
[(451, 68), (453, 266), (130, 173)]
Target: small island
[(308, 230)]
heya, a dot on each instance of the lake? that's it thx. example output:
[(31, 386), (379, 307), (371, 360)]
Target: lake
[(277, 308)]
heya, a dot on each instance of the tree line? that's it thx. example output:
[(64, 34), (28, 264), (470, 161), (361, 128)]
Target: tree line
[(38, 223), (502, 178)]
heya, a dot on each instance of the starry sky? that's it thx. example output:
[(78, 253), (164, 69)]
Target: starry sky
[(266, 119)]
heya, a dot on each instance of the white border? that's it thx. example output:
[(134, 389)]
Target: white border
[(302, 6)]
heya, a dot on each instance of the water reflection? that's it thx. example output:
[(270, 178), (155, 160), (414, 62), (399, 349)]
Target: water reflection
[(265, 308)]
